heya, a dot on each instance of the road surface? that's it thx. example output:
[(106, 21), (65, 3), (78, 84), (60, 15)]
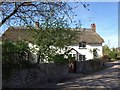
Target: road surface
[(107, 78)]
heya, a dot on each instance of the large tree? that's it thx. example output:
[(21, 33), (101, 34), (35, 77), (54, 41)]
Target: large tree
[(54, 19), (27, 12)]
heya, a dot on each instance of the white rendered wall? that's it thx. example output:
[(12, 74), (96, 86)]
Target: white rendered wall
[(34, 52), (83, 51), (87, 51)]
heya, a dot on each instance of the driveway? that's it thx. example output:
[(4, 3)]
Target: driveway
[(107, 78)]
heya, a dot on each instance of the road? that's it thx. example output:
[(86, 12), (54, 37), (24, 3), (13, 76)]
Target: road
[(107, 78)]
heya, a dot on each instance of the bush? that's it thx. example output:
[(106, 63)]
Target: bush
[(14, 55), (60, 59), (106, 58), (113, 55)]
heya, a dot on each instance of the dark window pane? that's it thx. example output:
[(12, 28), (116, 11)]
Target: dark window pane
[(83, 57), (74, 55), (80, 57), (84, 44), (70, 55), (80, 44)]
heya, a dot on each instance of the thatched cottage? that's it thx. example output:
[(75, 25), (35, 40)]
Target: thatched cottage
[(88, 47)]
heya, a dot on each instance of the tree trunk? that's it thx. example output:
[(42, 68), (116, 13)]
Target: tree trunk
[(38, 59)]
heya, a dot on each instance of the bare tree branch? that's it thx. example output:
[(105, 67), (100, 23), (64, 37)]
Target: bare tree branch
[(36, 9), (14, 11)]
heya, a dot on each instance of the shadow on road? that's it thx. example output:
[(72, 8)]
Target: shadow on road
[(107, 78)]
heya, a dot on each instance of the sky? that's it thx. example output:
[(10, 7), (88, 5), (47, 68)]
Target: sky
[(103, 14)]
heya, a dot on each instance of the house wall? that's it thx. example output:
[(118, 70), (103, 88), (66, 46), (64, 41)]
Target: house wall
[(34, 50), (82, 51), (99, 47), (87, 50)]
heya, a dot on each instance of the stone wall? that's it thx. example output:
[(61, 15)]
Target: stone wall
[(88, 66), (54, 72), (37, 76)]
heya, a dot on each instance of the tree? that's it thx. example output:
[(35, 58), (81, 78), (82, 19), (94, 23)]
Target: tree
[(14, 56), (23, 13), (106, 50), (54, 19)]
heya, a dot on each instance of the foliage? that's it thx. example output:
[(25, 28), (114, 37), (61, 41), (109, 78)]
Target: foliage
[(54, 19), (70, 58), (49, 41), (106, 50), (113, 55), (97, 59), (14, 55), (53, 35), (59, 59), (25, 13), (94, 51), (106, 58)]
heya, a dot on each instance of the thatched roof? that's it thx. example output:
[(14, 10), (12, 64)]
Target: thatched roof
[(87, 35), (23, 33), (90, 36), (17, 33)]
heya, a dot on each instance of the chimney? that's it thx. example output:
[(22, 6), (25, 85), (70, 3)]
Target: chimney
[(93, 26), (37, 24)]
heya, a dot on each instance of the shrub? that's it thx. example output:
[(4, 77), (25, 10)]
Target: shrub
[(113, 55), (14, 55), (60, 59), (106, 58)]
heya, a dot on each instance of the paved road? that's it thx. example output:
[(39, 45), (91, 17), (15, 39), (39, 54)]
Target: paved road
[(107, 78)]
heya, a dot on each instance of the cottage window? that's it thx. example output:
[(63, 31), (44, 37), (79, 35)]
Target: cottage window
[(81, 57), (70, 55), (74, 55), (82, 44)]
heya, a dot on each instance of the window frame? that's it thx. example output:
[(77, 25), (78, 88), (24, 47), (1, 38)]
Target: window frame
[(83, 57), (82, 44)]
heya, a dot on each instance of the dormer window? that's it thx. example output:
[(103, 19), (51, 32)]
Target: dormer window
[(82, 44)]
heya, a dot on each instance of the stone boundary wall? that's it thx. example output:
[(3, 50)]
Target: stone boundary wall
[(37, 76), (88, 66)]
